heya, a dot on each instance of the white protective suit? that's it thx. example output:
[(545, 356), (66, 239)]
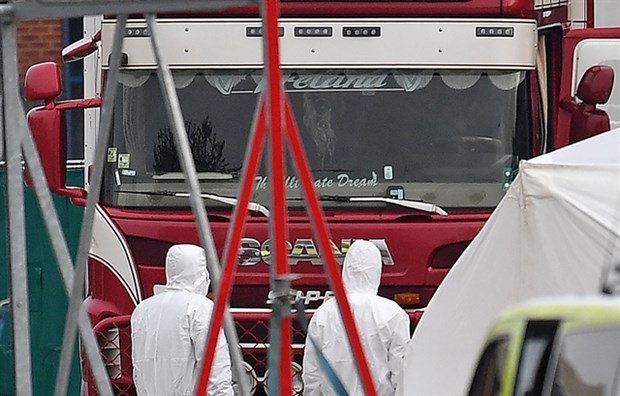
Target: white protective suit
[(169, 331), (383, 327)]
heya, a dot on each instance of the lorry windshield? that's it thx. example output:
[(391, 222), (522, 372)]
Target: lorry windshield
[(447, 137)]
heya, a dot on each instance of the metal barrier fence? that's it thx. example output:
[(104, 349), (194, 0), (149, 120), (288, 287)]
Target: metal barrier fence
[(114, 339)]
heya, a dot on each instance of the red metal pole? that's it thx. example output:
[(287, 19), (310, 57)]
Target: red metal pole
[(317, 218), (280, 273), (278, 112), (255, 145), (590, 14)]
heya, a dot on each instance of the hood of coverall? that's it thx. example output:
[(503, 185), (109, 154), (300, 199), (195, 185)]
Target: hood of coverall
[(186, 270), (362, 268)]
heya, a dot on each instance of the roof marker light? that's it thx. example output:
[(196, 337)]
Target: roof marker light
[(361, 31), (494, 31), (137, 32), (313, 31), (257, 31)]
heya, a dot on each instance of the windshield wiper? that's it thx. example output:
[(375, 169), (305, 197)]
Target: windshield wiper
[(200, 175), (417, 205), (252, 206)]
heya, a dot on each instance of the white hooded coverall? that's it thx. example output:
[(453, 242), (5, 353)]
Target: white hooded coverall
[(169, 331), (383, 327)]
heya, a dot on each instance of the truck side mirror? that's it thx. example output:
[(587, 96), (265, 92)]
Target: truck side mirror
[(81, 48), (594, 88), (43, 82)]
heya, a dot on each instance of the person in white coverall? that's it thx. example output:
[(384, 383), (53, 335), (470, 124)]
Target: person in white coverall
[(383, 327), (169, 331)]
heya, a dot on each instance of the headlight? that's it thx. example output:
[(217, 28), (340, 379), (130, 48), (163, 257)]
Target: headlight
[(251, 379), (298, 384), (111, 351)]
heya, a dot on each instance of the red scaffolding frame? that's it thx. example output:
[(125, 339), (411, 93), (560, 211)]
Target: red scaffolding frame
[(275, 118)]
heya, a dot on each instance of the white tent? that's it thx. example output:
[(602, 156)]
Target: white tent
[(555, 232)]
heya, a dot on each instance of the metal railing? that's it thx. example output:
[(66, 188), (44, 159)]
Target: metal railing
[(113, 336)]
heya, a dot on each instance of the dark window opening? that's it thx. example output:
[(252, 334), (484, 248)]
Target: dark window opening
[(534, 359), (490, 370), (73, 87)]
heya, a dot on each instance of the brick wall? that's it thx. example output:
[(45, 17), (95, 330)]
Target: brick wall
[(38, 41)]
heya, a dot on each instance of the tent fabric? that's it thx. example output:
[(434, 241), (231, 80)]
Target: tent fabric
[(555, 232)]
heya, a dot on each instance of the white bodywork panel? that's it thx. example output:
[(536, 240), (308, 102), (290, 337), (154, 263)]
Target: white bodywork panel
[(92, 88), (404, 43), (606, 13), (109, 247)]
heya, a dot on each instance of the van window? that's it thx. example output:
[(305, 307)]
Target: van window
[(490, 370), (535, 353), (588, 364)]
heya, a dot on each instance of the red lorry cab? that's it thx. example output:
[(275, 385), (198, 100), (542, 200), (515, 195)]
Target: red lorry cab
[(414, 117)]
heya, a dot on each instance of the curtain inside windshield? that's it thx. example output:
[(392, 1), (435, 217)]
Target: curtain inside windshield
[(440, 136)]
